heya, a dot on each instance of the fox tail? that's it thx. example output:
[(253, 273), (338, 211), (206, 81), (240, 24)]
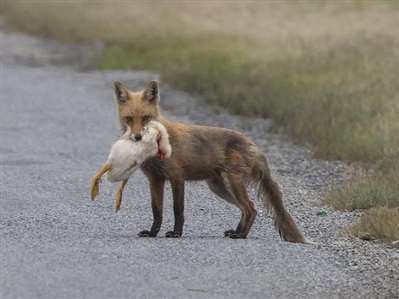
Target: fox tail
[(270, 195)]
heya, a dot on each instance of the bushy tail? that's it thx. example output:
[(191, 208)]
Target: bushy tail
[(270, 195)]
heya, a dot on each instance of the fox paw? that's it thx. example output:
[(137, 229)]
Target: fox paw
[(236, 235), (173, 234), (229, 232), (146, 233)]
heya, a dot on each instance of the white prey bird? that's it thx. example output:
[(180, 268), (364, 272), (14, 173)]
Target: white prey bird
[(127, 155)]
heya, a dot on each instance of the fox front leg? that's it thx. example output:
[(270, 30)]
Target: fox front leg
[(157, 187), (95, 181), (178, 208), (118, 196)]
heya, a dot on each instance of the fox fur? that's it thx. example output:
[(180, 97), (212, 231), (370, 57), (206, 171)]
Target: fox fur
[(227, 160)]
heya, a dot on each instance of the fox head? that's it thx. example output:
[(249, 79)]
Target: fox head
[(137, 108)]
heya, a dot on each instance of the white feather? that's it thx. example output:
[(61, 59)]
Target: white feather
[(127, 155)]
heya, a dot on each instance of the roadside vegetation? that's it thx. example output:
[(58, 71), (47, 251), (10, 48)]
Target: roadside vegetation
[(326, 72)]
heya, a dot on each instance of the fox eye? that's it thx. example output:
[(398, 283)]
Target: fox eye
[(146, 118), (128, 119)]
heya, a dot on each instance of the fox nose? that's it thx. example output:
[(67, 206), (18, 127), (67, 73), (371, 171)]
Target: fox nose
[(137, 137)]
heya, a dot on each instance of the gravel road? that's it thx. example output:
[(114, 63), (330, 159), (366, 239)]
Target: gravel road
[(56, 126)]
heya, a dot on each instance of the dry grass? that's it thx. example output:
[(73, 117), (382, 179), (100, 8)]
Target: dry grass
[(379, 195), (326, 72), (378, 223), (378, 191)]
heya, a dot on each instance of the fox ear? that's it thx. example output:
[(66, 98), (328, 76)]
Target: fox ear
[(121, 92), (151, 92)]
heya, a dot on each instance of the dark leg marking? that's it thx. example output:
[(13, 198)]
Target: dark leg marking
[(156, 186), (178, 208)]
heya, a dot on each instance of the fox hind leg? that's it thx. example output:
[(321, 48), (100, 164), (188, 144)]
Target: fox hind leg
[(245, 204), (219, 186)]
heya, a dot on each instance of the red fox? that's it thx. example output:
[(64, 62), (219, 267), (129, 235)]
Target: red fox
[(227, 160)]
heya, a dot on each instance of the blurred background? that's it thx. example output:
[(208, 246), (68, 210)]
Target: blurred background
[(326, 72)]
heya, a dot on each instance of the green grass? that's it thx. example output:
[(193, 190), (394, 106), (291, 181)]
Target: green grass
[(329, 79)]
